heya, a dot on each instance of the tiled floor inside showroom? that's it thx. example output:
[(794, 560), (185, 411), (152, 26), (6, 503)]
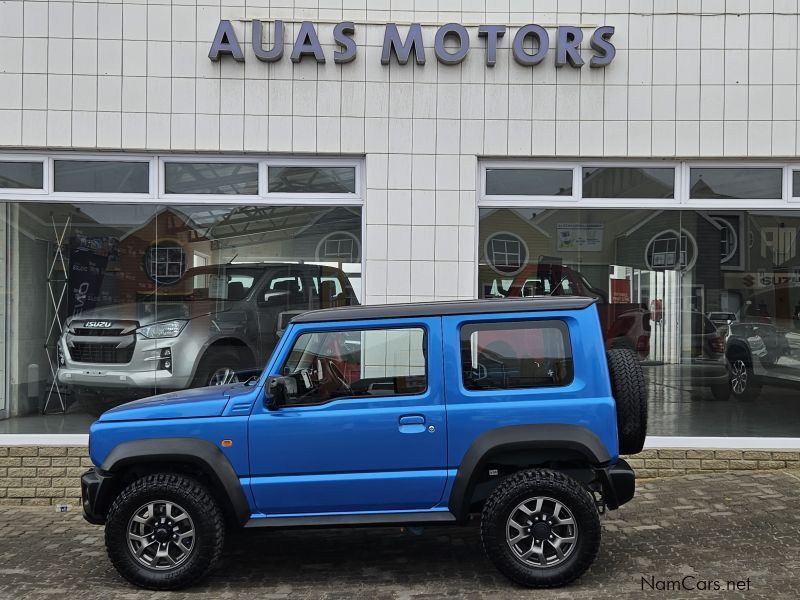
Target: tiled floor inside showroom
[(740, 527)]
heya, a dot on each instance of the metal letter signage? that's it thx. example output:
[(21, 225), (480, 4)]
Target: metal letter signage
[(529, 47)]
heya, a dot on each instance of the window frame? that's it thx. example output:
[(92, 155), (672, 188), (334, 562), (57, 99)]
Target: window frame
[(102, 196), (204, 160), (426, 337), (27, 158), (511, 320), (321, 163), (682, 183)]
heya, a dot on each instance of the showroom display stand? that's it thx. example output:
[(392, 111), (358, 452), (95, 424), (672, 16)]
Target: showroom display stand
[(57, 282)]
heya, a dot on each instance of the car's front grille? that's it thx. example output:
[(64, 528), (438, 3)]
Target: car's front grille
[(100, 353), (83, 331)]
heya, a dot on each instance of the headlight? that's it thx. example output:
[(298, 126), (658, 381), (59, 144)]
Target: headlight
[(166, 329)]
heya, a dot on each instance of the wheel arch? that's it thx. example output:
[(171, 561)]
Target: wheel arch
[(131, 460), (563, 447), (222, 342), (739, 348)]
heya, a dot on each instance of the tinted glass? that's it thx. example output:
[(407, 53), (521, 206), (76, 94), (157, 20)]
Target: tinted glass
[(529, 182), (101, 176), (21, 175), (628, 182), (324, 366), (515, 354), (796, 184), (211, 178), (312, 180), (737, 184)]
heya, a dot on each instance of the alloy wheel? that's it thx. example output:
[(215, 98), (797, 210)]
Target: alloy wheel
[(223, 376), (161, 535), (738, 376), (541, 532)]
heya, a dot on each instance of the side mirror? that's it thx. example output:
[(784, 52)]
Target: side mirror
[(277, 392)]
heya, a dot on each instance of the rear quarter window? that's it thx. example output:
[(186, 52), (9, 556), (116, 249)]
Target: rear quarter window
[(507, 355)]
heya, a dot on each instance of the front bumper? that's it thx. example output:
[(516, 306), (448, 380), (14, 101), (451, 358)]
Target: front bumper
[(618, 482), (93, 488)]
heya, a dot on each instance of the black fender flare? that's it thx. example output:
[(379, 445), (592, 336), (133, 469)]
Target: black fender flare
[(521, 438), (199, 453)]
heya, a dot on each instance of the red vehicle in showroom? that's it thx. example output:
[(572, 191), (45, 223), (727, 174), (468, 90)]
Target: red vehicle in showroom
[(624, 324)]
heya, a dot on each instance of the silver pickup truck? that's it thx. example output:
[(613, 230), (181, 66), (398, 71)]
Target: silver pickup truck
[(216, 325)]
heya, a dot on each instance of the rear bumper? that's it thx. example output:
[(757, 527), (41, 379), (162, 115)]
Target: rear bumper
[(618, 482), (93, 486)]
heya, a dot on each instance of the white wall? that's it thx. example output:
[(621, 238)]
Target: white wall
[(135, 75)]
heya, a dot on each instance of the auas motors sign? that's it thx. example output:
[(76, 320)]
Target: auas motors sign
[(451, 45)]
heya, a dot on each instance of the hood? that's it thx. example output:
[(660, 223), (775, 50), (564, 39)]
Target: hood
[(198, 402), (147, 313)]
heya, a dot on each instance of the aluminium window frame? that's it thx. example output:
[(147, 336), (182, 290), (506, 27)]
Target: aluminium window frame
[(28, 158)]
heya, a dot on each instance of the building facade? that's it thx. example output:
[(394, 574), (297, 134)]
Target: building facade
[(643, 152)]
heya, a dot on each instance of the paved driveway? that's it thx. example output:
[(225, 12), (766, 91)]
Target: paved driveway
[(718, 528)]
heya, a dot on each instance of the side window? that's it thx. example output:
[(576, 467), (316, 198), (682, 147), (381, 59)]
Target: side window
[(515, 354), (354, 363), (286, 290)]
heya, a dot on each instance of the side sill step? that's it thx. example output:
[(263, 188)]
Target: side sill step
[(410, 518)]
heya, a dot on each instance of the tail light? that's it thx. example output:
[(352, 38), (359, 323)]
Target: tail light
[(717, 345)]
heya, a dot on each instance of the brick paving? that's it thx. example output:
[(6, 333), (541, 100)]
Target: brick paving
[(720, 526)]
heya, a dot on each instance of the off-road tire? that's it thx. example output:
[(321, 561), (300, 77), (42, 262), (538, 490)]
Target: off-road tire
[(527, 484), (208, 521), (630, 393)]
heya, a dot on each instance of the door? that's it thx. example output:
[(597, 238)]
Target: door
[(364, 431)]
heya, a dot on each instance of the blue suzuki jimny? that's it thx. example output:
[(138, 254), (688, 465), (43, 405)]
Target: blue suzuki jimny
[(381, 416)]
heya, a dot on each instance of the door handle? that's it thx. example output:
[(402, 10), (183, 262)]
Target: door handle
[(411, 424), (412, 420)]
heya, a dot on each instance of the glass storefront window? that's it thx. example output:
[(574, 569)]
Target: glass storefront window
[(311, 180), (211, 178), (21, 175), (528, 182), (105, 303), (101, 176), (628, 182), (796, 184), (735, 183), (709, 301)]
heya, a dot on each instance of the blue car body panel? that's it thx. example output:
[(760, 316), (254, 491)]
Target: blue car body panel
[(368, 455), (352, 454)]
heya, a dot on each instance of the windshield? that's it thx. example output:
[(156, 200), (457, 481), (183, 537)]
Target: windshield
[(210, 283)]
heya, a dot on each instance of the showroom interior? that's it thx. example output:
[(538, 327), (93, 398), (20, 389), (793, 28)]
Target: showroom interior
[(656, 171), (680, 287)]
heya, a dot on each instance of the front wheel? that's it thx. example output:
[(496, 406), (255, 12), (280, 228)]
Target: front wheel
[(742, 380), (540, 528), (164, 532)]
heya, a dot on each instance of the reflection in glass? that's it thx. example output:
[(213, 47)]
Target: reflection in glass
[(211, 178), (628, 182), (101, 176), (709, 301), (21, 175), (312, 180), (528, 182), (796, 184), (736, 184), (127, 300)]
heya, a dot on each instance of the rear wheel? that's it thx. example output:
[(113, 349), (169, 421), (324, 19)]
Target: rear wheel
[(164, 531), (540, 528), (630, 393)]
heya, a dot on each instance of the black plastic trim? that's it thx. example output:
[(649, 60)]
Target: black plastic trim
[(435, 309), (201, 453), (619, 484), (520, 438), (411, 518)]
